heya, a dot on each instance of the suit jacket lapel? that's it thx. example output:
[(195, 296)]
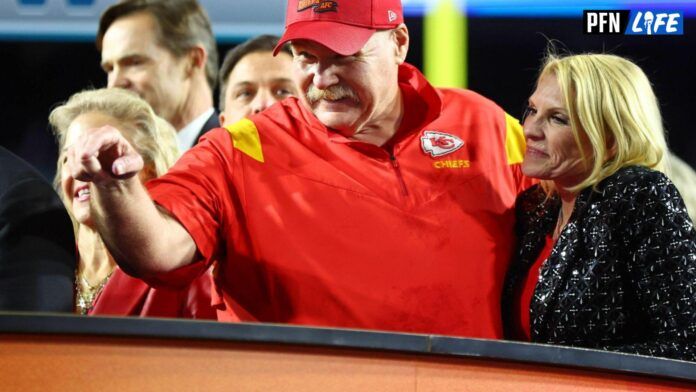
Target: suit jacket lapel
[(554, 273), (213, 122), (536, 214), (552, 277)]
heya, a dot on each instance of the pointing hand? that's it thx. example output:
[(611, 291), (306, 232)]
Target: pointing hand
[(103, 155)]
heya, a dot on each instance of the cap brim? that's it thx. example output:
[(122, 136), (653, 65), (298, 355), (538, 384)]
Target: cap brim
[(339, 37)]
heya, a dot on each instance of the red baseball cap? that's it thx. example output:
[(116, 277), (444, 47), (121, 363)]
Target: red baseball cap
[(344, 26)]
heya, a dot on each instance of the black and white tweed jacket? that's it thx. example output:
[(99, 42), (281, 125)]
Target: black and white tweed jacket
[(622, 275)]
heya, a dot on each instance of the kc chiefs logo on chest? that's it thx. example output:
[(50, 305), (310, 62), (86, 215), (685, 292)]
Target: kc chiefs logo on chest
[(438, 144)]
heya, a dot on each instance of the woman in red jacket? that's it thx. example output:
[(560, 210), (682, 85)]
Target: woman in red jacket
[(101, 287)]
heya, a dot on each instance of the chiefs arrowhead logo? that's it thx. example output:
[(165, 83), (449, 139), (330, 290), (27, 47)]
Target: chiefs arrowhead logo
[(438, 144)]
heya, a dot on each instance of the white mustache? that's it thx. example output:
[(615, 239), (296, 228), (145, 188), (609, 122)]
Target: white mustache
[(333, 93)]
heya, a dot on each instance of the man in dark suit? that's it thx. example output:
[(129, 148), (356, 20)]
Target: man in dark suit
[(37, 244), (164, 50)]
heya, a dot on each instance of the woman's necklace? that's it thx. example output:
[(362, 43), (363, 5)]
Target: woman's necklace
[(86, 293)]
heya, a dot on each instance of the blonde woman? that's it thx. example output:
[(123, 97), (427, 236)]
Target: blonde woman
[(101, 287), (607, 255)]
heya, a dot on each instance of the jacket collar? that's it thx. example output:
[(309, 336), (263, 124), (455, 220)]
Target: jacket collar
[(568, 248)]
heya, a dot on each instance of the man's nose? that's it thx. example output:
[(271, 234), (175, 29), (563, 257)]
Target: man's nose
[(262, 101), (118, 78), (324, 76)]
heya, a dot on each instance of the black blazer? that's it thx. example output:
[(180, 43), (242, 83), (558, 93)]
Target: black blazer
[(37, 245), (212, 122), (622, 274)]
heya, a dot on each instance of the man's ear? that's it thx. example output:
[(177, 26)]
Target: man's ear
[(221, 117), (401, 39), (197, 58)]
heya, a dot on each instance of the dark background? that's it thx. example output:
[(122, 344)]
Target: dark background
[(504, 56)]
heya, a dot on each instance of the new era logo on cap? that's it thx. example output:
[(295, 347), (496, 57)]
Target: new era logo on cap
[(391, 15)]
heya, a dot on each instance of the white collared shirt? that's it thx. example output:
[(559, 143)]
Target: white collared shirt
[(187, 135)]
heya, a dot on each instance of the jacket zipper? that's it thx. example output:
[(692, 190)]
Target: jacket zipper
[(399, 177)]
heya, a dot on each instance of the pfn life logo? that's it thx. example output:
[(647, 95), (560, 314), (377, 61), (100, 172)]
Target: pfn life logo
[(656, 23), (635, 22)]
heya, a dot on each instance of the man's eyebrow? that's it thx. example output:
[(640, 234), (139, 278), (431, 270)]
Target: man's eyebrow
[(243, 83), (126, 56)]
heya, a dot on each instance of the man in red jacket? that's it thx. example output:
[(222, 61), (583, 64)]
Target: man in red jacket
[(374, 201)]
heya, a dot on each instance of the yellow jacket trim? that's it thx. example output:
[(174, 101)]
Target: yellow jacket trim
[(245, 138), (515, 144)]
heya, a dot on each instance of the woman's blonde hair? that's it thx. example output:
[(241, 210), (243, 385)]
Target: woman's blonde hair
[(153, 137), (612, 108)]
